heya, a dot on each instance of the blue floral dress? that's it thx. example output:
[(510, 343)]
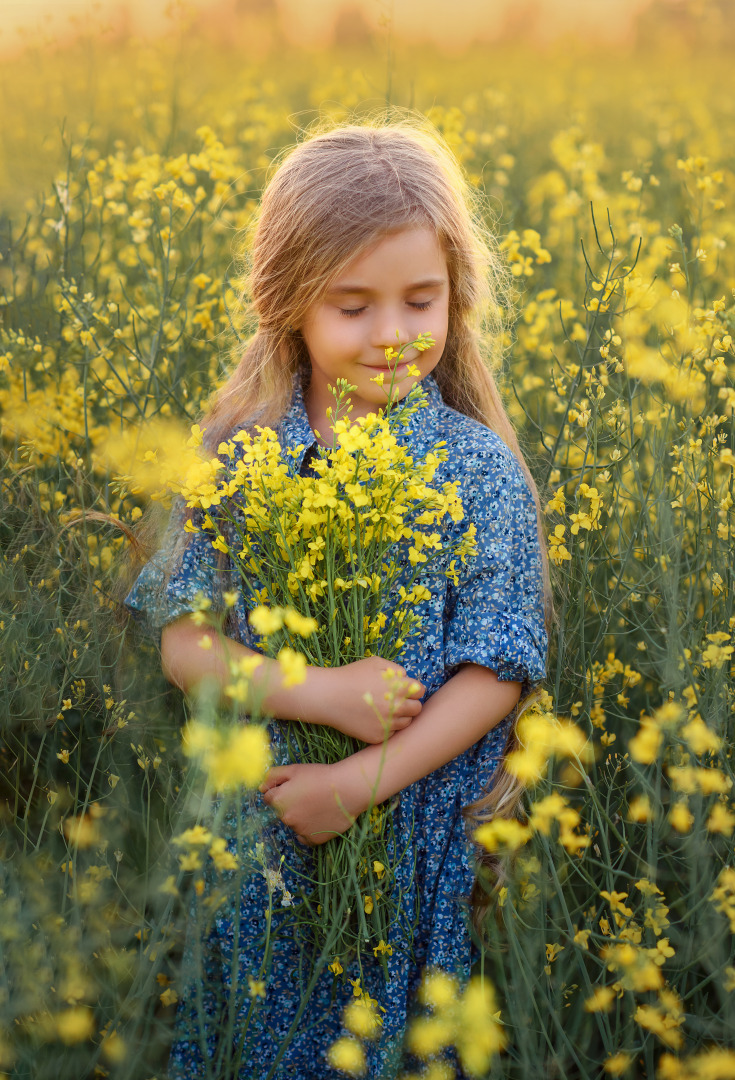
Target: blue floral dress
[(493, 617)]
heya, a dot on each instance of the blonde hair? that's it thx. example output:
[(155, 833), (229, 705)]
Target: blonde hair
[(332, 197)]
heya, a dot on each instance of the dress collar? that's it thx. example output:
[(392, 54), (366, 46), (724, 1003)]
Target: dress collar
[(296, 430)]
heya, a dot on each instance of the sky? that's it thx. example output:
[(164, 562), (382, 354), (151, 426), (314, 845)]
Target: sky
[(451, 23)]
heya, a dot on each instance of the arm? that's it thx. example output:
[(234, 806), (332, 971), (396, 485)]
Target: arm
[(332, 696), (317, 801), (469, 705)]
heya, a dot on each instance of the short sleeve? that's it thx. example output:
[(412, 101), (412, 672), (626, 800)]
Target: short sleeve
[(495, 614), (167, 587)]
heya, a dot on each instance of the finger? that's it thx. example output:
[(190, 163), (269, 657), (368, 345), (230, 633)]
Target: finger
[(273, 797), (398, 670), (275, 776), (411, 707), (416, 688), (400, 722), (410, 688)]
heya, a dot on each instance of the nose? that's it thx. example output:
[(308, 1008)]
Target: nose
[(389, 328)]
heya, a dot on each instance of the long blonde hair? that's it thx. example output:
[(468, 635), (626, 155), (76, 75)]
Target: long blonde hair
[(332, 197)]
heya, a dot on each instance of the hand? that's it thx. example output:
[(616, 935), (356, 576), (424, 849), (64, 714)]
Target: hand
[(340, 695), (313, 800)]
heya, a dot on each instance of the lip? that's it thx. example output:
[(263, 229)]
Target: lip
[(387, 367)]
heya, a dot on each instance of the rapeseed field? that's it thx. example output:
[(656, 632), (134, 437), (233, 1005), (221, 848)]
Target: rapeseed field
[(129, 170)]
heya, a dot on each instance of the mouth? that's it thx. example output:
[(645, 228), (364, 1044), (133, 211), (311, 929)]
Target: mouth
[(388, 368)]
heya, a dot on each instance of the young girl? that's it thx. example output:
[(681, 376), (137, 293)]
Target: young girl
[(366, 236)]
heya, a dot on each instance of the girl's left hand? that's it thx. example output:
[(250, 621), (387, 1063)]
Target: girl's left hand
[(309, 800)]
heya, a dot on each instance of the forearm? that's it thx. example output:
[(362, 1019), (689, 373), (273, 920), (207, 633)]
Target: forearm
[(469, 705), (187, 664), (355, 699)]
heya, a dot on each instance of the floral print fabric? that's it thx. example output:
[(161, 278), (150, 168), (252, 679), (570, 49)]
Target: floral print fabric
[(493, 617)]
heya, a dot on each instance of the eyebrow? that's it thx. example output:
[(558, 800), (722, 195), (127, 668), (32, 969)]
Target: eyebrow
[(428, 283)]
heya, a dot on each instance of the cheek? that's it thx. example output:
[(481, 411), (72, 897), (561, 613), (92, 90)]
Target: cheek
[(342, 339)]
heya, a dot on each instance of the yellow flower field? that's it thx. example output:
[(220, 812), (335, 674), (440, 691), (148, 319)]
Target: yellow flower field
[(609, 178)]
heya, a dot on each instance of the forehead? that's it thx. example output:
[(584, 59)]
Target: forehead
[(411, 254)]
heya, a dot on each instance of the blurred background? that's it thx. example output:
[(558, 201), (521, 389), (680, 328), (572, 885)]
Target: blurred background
[(451, 27), (58, 56)]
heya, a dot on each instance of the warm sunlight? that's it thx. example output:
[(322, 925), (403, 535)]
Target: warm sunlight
[(452, 26)]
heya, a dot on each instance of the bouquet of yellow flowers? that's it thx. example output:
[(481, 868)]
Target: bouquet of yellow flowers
[(330, 562)]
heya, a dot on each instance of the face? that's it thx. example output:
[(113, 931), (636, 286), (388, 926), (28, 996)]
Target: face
[(399, 285)]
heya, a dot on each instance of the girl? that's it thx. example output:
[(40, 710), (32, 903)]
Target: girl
[(366, 234)]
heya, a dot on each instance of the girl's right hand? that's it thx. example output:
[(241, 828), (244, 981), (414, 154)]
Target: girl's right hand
[(360, 700)]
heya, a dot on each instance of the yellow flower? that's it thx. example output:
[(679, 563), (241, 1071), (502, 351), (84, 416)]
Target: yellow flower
[(438, 990), (169, 886), (222, 859), (480, 1035), (601, 1000), (546, 811), (335, 967), (196, 836), (383, 947), (617, 1063), (723, 895), (717, 655), (558, 551), (681, 817), (347, 1055), (721, 820), (645, 745), (427, 1035), (361, 1019), (240, 756), (369, 904), (265, 621), (662, 1022), (502, 833), (114, 1048), (552, 951), (244, 758), (303, 625), (640, 809), (700, 737), (292, 665), (75, 1025), (615, 900), (81, 830)]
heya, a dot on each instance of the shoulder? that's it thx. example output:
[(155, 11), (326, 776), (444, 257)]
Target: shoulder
[(476, 455)]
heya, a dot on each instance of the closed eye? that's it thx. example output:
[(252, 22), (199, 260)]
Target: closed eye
[(417, 305)]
